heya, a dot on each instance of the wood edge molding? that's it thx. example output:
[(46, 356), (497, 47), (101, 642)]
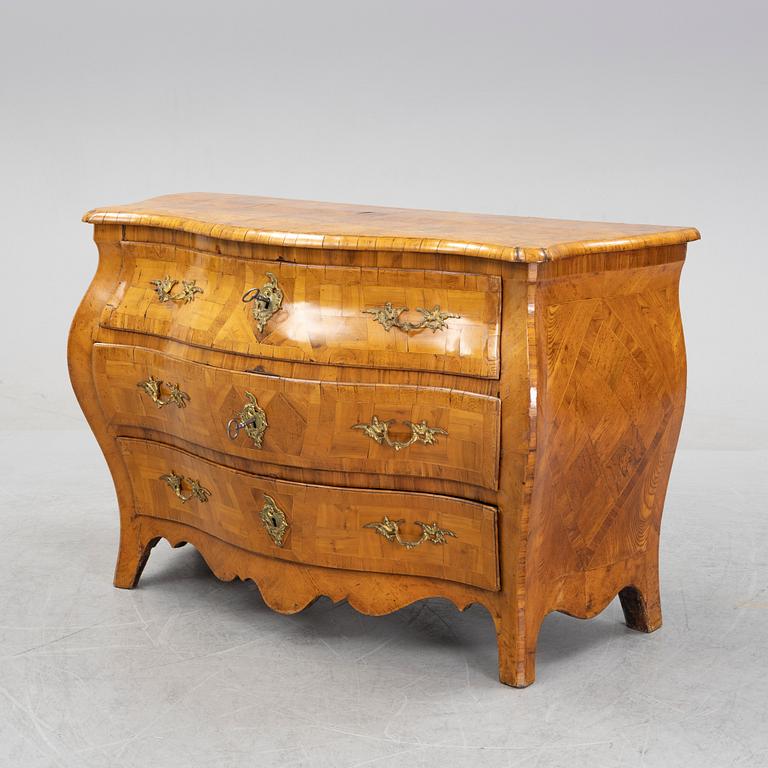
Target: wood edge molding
[(637, 242), (527, 623), (506, 253)]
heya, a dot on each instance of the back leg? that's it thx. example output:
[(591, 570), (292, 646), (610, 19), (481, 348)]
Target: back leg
[(642, 607)]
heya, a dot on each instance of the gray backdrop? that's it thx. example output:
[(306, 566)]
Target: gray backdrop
[(644, 112), (636, 111)]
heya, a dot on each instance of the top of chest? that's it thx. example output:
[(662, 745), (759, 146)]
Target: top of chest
[(273, 221)]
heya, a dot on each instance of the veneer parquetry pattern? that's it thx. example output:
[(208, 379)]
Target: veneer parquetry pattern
[(384, 405)]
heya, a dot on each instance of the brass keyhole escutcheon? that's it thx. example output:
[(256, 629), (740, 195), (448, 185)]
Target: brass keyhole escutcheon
[(251, 419), (274, 520), (266, 301)]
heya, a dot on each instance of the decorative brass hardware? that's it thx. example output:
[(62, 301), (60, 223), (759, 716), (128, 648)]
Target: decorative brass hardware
[(196, 491), (274, 520), (420, 433), (176, 395), (164, 290), (389, 317), (390, 530), (266, 301), (252, 419)]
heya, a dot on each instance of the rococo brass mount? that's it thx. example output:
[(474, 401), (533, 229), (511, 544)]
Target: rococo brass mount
[(176, 395), (164, 290), (420, 433), (390, 530), (196, 491), (389, 317)]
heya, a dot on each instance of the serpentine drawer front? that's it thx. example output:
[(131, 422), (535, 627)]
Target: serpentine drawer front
[(409, 319), (317, 525), (382, 406), (304, 423)]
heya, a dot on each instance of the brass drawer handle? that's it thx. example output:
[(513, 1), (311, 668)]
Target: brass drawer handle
[(266, 301), (420, 433), (390, 530), (389, 317), (196, 491), (164, 290), (251, 419), (176, 396), (274, 520)]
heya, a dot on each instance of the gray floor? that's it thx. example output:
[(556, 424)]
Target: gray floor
[(187, 671)]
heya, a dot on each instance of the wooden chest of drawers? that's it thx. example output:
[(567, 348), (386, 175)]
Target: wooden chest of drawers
[(383, 405)]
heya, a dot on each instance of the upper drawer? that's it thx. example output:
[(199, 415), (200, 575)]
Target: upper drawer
[(434, 432), (311, 314)]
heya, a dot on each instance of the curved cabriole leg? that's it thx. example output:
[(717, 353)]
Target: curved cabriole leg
[(132, 556)]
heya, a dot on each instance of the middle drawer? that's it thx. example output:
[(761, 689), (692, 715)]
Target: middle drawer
[(369, 428)]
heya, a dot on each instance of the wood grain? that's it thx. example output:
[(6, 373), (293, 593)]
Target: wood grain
[(565, 424), (309, 224), (310, 423), (610, 394), (326, 523), (323, 318)]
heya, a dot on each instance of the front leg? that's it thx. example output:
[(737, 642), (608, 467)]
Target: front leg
[(517, 651), (132, 555)]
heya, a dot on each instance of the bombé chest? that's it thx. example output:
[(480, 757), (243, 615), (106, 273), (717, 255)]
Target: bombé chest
[(384, 405)]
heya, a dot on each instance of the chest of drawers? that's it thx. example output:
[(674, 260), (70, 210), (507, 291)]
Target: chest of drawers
[(384, 405)]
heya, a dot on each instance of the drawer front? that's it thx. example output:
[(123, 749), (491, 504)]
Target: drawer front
[(312, 314), (432, 432), (378, 531)]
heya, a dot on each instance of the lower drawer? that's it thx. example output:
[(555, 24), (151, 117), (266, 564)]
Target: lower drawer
[(412, 534)]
